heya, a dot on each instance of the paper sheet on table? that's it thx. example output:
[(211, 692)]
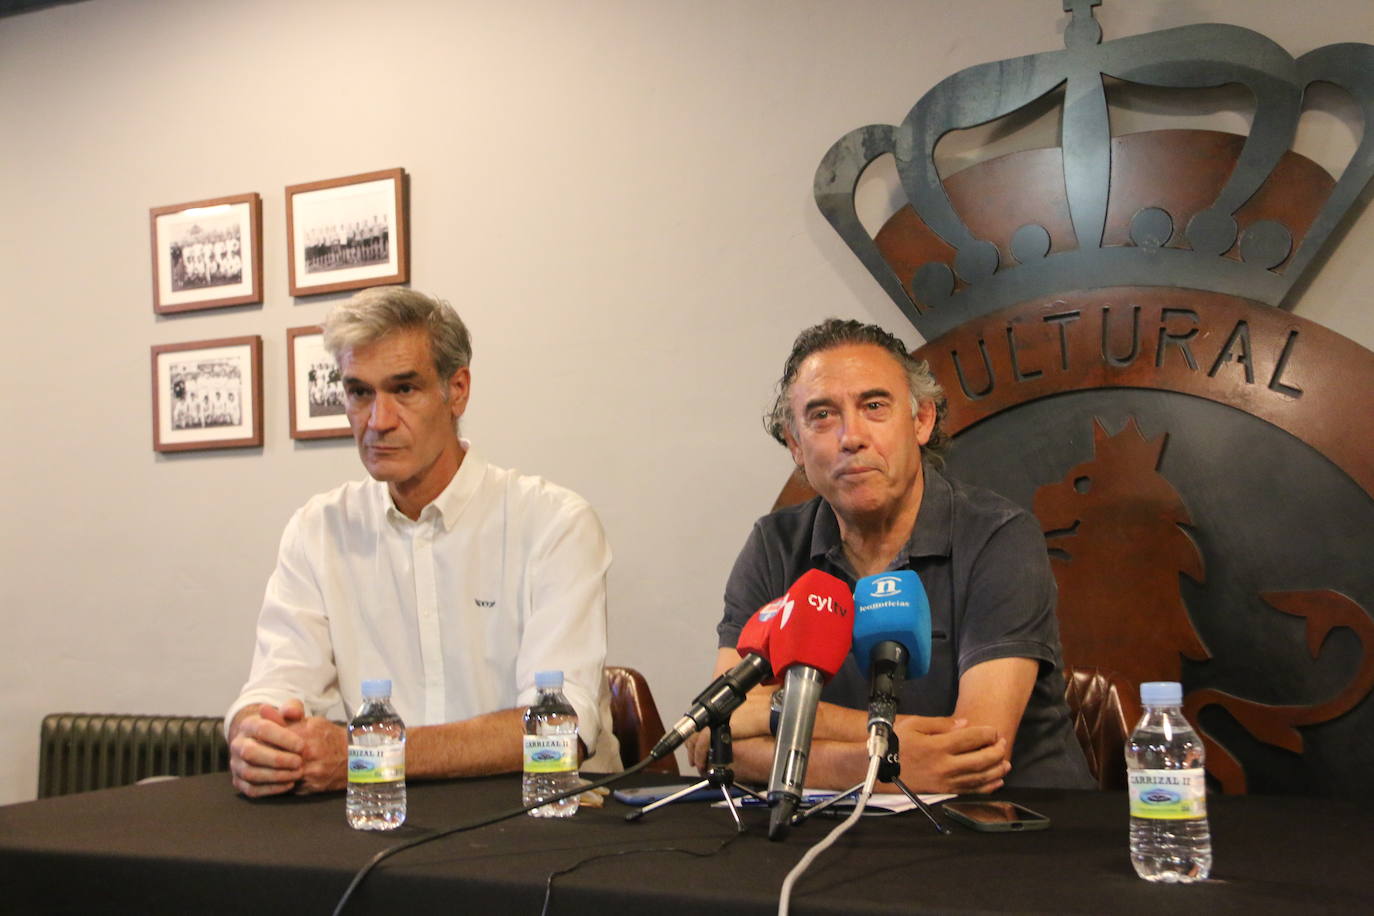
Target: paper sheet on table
[(878, 802)]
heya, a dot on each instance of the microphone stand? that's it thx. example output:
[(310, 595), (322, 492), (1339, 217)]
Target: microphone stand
[(889, 770), (720, 775)]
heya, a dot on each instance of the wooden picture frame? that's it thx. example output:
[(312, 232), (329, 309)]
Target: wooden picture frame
[(207, 394), (207, 254), (317, 395), (348, 233)]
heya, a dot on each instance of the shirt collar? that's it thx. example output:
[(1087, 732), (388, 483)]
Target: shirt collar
[(448, 506), (931, 536)]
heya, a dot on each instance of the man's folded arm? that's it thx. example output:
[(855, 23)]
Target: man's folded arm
[(566, 628), (282, 750), (938, 754), (994, 693), (565, 631), (270, 750), (293, 657), (480, 746)]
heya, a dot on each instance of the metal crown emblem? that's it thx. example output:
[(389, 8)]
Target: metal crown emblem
[(1220, 248)]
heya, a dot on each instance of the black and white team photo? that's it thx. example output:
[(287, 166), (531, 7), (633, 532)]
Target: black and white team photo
[(343, 244), (205, 254), (206, 393)]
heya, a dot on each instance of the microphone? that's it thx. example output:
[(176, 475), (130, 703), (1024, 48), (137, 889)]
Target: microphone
[(809, 643), (723, 696), (891, 639)]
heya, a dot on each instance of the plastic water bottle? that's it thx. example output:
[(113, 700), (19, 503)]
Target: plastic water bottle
[(550, 748), (376, 762), (1170, 839)]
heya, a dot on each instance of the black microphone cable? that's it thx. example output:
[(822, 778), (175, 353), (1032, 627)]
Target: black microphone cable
[(495, 818), (548, 885)]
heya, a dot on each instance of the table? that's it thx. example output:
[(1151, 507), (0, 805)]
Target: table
[(194, 846)]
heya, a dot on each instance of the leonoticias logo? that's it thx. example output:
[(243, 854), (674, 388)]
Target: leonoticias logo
[(887, 585)]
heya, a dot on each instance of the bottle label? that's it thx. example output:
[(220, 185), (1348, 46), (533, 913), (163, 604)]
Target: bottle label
[(380, 763), (1168, 795), (550, 753)]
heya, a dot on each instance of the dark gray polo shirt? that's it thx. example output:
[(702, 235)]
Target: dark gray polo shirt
[(983, 562)]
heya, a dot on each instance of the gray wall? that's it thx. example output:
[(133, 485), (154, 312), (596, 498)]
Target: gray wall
[(616, 196)]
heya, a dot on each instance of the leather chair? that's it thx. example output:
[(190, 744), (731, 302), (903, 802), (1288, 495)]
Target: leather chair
[(635, 719), (1105, 710)]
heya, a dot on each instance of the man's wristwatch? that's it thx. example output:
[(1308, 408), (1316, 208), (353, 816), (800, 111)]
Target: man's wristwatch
[(775, 712)]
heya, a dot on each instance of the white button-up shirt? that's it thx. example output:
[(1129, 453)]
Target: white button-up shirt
[(501, 576)]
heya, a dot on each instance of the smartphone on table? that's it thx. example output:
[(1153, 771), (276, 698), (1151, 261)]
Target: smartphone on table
[(646, 794), (995, 816)]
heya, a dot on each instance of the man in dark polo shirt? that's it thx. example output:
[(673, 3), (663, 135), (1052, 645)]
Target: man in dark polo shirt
[(861, 419)]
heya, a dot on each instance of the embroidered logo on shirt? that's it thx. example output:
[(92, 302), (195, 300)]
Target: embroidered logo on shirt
[(481, 603)]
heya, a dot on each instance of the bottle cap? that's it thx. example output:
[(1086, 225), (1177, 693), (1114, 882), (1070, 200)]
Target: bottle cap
[(1161, 693), (547, 679), (376, 688)]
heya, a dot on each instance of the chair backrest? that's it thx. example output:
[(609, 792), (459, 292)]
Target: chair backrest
[(1105, 710), (635, 719)]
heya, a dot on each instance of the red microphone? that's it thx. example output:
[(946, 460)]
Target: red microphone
[(714, 705), (811, 636), (754, 638)]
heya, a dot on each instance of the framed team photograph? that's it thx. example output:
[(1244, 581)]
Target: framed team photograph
[(348, 233), (317, 395), (207, 394), (207, 254)]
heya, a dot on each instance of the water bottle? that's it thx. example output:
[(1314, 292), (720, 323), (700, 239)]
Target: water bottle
[(1170, 839), (376, 762), (550, 748)]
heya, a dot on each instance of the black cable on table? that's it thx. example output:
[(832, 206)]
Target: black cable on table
[(449, 831), (548, 885)]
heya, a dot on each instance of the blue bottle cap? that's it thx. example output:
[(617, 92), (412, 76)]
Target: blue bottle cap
[(547, 679), (1161, 693), (380, 687)]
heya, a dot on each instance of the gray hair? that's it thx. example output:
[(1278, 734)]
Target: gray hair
[(373, 313), (834, 332)]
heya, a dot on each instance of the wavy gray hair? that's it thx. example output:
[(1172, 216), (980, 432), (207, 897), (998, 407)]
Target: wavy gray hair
[(834, 332), (374, 313)]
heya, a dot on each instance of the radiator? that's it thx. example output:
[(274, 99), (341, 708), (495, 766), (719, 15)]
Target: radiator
[(79, 752)]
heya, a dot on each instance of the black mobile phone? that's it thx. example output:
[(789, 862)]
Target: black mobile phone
[(646, 794), (995, 816)]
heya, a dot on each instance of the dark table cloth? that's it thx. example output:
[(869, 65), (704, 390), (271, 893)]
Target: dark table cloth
[(194, 846)]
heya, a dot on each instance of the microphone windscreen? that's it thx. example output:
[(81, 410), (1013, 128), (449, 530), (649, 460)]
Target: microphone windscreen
[(894, 607), (815, 625)]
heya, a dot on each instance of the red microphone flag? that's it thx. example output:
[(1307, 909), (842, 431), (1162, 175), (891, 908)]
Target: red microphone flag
[(754, 637)]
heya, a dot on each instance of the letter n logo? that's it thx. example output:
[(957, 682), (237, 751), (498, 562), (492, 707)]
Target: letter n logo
[(887, 585)]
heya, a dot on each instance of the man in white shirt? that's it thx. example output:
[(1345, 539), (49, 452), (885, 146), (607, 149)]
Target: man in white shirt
[(456, 579)]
